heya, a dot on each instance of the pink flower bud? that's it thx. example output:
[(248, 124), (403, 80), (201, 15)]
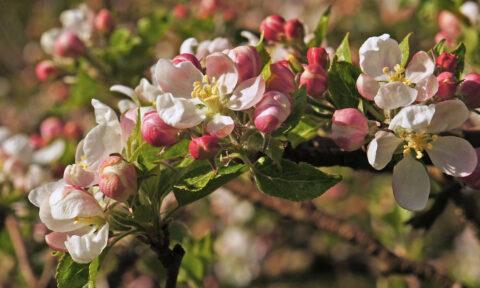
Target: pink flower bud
[(69, 45), (318, 55), (294, 30), (449, 41), (349, 128), (104, 21), (272, 28), (248, 61), (180, 11), (72, 130), (447, 85), (272, 111), (473, 180), (118, 178), (36, 141), (46, 70), (156, 132), (77, 176), (229, 13), (51, 128), (281, 78), (449, 24), (205, 147), (447, 62), (187, 57), (315, 78), (470, 89)]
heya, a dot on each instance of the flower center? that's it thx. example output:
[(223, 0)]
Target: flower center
[(417, 142), (207, 91), (83, 163), (98, 221), (398, 75)]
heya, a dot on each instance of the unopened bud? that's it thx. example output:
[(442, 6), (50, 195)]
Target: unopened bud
[(68, 44), (46, 70), (118, 178), (187, 57), (229, 13), (274, 108), (349, 128), (449, 24), (51, 128), (104, 22), (294, 30), (318, 55), (180, 11), (272, 28), (77, 176), (248, 61), (205, 147), (447, 62), (470, 89), (36, 141), (72, 130), (281, 78), (315, 78), (156, 132), (473, 180), (447, 85)]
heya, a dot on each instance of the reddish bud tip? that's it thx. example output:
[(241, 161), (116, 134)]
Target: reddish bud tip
[(51, 128), (272, 28), (248, 61), (294, 30), (349, 128), (104, 21), (118, 178), (46, 70), (205, 147), (156, 132), (447, 62), (73, 130), (318, 55), (315, 78), (281, 78), (69, 45), (180, 11), (470, 89), (447, 85), (272, 110), (187, 57)]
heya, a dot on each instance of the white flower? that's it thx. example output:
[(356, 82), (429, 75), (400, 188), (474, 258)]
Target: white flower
[(79, 21), (470, 10), (417, 127), (204, 48), (389, 84)]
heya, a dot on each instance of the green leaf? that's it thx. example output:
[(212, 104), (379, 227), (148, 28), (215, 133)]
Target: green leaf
[(439, 48), (148, 155), (274, 149), (460, 51), (71, 274), (84, 90), (299, 98), (93, 272), (305, 129), (201, 181), (405, 49), (266, 72), (342, 79), (264, 55), (343, 51), (294, 182), (153, 27), (320, 32)]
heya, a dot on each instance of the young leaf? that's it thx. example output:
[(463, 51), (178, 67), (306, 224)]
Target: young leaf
[(343, 51), (460, 53), (405, 49), (296, 182), (299, 98), (305, 129), (71, 274), (342, 79), (263, 52), (320, 32), (439, 48), (266, 72)]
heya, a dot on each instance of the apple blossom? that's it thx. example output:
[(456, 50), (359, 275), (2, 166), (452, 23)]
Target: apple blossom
[(318, 55), (272, 111), (315, 78), (447, 85), (80, 21), (349, 128), (68, 44), (389, 84), (205, 147), (156, 132), (76, 175), (204, 48), (272, 28), (446, 62), (117, 178), (104, 21), (248, 61), (416, 128), (471, 11), (470, 89)]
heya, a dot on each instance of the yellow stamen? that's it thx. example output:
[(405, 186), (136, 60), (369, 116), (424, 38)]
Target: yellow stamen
[(398, 75), (83, 163), (90, 220), (207, 91), (418, 142)]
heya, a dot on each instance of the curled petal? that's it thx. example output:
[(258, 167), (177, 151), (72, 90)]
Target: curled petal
[(223, 69), (125, 90), (377, 53), (37, 195), (99, 143), (247, 94), (58, 225), (56, 240), (67, 203), (415, 117), (147, 92), (449, 115), (381, 148), (220, 126), (453, 155), (85, 248), (427, 88), (176, 79), (178, 112), (394, 95), (367, 86), (411, 184), (188, 46), (421, 66), (105, 114)]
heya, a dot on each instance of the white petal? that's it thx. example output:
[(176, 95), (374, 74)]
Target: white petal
[(220, 125), (124, 105), (19, 147), (415, 117), (367, 86), (421, 66), (125, 90), (427, 88), (377, 53), (218, 44), (147, 92), (79, 153), (104, 114), (394, 95), (411, 184), (470, 10), (449, 115), (177, 79), (252, 38), (202, 49), (67, 203), (56, 240), (86, 248), (178, 112), (47, 41), (99, 143), (57, 225), (49, 154), (453, 155), (380, 149), (37, 195), (247, 94), (223, 69), (188, 46), (4, 134)]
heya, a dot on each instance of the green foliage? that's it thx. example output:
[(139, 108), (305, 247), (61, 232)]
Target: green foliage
[(320, 32), (460, 51), (274, 147), (305, 129), (266, 72), (198, 255), (152, 28), (342, 79), (263, 53), (73, 275), (299, 98), (296, 182), (83, 91), (438, 49), (405, 49), (343, 51)]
